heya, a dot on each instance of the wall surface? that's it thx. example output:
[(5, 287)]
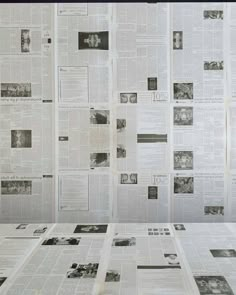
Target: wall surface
[(118, 112)]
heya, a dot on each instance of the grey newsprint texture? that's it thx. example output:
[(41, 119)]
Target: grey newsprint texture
[(118, 112)]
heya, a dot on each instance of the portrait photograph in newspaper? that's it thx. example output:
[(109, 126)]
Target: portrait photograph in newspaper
[(153, 192), (152, 83)]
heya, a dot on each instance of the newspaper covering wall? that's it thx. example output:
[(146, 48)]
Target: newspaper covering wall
[(117, 112), (84, 44), (27, 113)]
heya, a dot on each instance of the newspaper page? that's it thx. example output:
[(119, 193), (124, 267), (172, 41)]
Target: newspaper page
[(121, 111), (231, 111), (198, 72), (141, 112), (25, 229), (84, 87), (141, 61), (144, 264), (27, 113), (198, 197), (202, 229), (13, 253), (63, 263), (145, 195), (198, 127), (212, 262)]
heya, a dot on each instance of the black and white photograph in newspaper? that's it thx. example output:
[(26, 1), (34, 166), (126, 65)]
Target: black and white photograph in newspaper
[(152, 83), (21, 138), (112, 276), (183, 116), (152, 192), (25, 40), (61, 241), (183, 185), (124, 242), (183, 160), (40, 230), (16, 90), (22, 226), (177, 40), (16, 187), (210, 285), (172, 259), (121, 151), (213, 14), (82, 271), (183, 91), (130, 97), (213, 65), (179, 226), (93, 40), (120, 125), (99, 160), (214, 210), (91, 228), (223, 253), (129, 178), (99, 117)]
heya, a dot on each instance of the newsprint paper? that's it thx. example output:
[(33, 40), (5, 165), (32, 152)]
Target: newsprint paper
[(117, 112)]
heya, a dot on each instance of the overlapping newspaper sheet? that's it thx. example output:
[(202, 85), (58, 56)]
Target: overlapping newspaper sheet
[(118, 259)]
